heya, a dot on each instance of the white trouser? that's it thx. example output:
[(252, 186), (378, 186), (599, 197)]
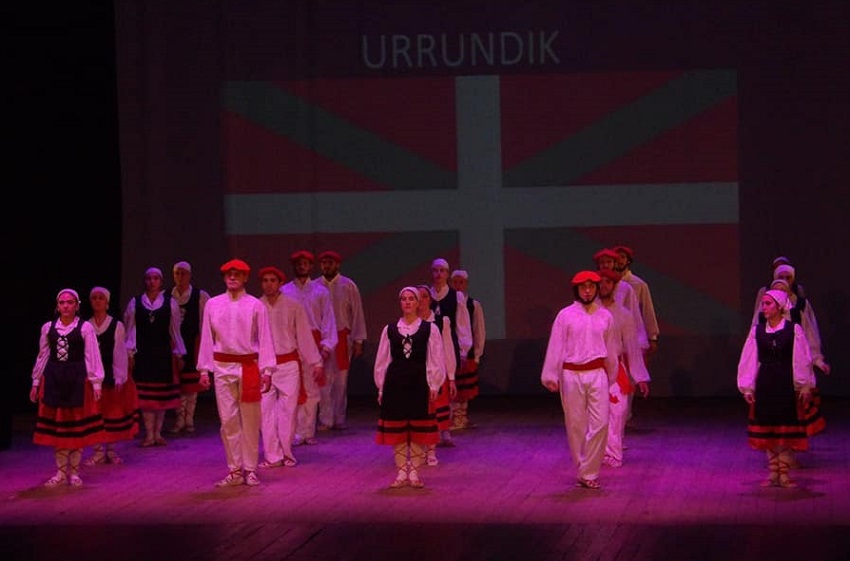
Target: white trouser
[(305, 423), (279, 406), (240, 423), (616, 422), (584, 399), (333, 400)]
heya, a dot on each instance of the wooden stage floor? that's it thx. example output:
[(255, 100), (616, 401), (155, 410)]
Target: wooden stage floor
[(689, 489)]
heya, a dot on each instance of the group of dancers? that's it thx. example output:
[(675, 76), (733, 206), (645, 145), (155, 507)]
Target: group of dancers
[(269, 359), (276, 363), (776, 374)]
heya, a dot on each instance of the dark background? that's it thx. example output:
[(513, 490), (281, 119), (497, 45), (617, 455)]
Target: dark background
[(64, 205)]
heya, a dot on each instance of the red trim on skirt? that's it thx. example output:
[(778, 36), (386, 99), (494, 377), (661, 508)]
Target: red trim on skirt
[(442, 407), (158, 396), (419, 431), (120, 410), (69, 427), (190, 382), (810, 414), (769, 437), (467, 381)]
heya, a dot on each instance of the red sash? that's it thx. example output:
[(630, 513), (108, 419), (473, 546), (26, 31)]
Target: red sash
[(343, 359), (592, 365), (288, 357), (623, 380), (251, 383), (317, 336)]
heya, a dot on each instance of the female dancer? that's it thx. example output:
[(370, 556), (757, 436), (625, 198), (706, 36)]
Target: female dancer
[(409, 370)]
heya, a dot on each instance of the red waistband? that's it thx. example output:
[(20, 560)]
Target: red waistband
[(241, 359), (288, 357), (592, 365)]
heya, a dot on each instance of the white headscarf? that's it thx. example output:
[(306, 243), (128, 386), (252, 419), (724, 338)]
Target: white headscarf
[(69, 291), (439, 262), (154, 271), (412, 289), (780, 297), (102, 290), (784, 269)]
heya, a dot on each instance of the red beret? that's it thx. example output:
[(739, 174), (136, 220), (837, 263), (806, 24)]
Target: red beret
[(610, 274), (330, 255), (583, 276), (272, 270), (302, 253), (605, 253), (624, 249), (237, 264)]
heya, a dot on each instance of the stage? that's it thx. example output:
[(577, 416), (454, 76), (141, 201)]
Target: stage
[(689, 489)]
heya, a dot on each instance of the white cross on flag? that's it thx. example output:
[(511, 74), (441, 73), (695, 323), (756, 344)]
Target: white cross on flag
[(517, 179)]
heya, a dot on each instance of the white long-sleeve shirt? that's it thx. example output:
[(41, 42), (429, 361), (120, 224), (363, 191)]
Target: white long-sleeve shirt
[(290, 329), (625, 295), (625, 342), (317, 303), (579, 336), (801, 367), (645, 303), (119, 348), (479, 329), (435, 368), (462, 324), (173, 326), (347, 305), (237, 325), (94, 365), (448, 347)]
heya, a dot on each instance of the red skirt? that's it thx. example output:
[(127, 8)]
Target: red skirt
[(442, 408), (769, 436), (69, 427), (120, 409), (156, 396), (190, 382), (467, 381), (420, 431)]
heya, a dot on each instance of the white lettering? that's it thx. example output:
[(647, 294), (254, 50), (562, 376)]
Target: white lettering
[(489, 49), (546, 47), (517, 48), (425, 47), (460, 49), (365, 50), (478, 47), (401, 44)]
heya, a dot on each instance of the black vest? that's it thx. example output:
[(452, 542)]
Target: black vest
[(106, 343), (190, 329), (447, 307)]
